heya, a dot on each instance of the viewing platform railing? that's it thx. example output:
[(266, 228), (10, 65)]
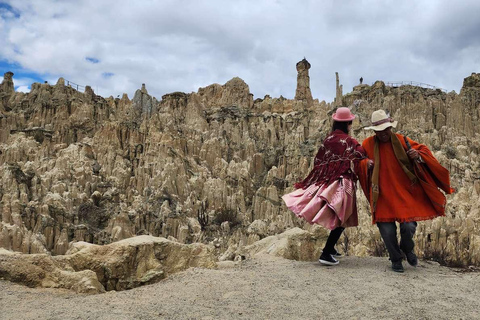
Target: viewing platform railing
[(74, 85), (411, 83)]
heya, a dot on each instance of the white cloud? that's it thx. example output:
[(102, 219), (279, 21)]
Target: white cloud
[(21, 82), (182, 45), (23, 89)]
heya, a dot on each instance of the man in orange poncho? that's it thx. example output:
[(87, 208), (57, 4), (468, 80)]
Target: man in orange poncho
[(401, 180)]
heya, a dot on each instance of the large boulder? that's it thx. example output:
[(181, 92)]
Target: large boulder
[(42, 270), (89, 268), (294, 244)]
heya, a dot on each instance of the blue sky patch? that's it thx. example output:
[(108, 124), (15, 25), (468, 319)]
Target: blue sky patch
[(107, 74), (19, 74), (92, 60), (8, 12), (18, 71)]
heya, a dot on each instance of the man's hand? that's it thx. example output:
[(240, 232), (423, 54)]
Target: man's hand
[(413, 154), (370, 164)]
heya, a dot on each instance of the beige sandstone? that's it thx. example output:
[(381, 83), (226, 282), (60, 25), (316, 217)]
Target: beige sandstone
[(78, 167), (89, 268)]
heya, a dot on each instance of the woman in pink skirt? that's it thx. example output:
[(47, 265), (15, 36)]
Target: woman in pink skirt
[(327, 195)]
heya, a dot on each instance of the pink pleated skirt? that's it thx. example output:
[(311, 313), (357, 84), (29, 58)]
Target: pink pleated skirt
[(330, 206)]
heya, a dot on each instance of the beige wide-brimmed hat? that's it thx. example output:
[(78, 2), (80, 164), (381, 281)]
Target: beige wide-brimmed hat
[(381, 121)]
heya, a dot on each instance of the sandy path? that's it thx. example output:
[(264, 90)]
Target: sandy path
[(268, 288)]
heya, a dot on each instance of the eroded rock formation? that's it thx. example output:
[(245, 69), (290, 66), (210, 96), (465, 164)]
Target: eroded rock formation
[(209, 166), (303, 91), (293, 244), (89, 268), (338, 91)]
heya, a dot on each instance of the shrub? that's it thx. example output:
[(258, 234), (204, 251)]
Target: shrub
[(229, 215), (202, 215)]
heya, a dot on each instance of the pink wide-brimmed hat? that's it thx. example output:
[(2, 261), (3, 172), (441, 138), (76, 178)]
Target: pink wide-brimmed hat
[(343, 114)]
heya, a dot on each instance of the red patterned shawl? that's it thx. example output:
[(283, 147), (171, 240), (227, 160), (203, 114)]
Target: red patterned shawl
[(336, 156)]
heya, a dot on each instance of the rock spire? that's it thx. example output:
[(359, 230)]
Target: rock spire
[(303, 82)]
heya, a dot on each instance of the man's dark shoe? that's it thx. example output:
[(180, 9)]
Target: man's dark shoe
[(412, 259), (327, 259), (397, 266), (336, 254)]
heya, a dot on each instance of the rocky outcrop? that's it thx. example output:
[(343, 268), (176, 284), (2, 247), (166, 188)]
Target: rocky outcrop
[(6, 90), (40, 270), (143, 104), (293, 244), (210, 166), (88, 268), (338, 92), (303, 82)]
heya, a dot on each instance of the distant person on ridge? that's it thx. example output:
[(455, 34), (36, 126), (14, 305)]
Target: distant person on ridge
[(327, 195), (402, 187), (361, 80)]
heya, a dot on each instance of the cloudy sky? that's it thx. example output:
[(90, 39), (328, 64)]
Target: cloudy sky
[(179, 45)]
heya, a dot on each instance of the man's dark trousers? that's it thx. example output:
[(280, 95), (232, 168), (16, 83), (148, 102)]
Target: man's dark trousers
[(388, 230)]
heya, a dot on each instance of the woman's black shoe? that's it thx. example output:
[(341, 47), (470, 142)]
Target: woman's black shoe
[(327, 259)]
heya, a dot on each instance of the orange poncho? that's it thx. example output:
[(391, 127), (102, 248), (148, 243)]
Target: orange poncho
[(400, 199)]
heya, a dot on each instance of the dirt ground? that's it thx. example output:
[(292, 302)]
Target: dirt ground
[(268, 288)]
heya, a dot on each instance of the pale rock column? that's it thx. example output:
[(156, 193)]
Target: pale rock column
[(6, 90), (303, 82), (7, 83), (339, 92)]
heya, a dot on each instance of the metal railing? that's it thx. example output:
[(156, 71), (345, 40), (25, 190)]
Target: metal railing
[(74, 85), (411, 83)]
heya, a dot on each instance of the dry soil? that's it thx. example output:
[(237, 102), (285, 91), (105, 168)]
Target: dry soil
[(268, 288)]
